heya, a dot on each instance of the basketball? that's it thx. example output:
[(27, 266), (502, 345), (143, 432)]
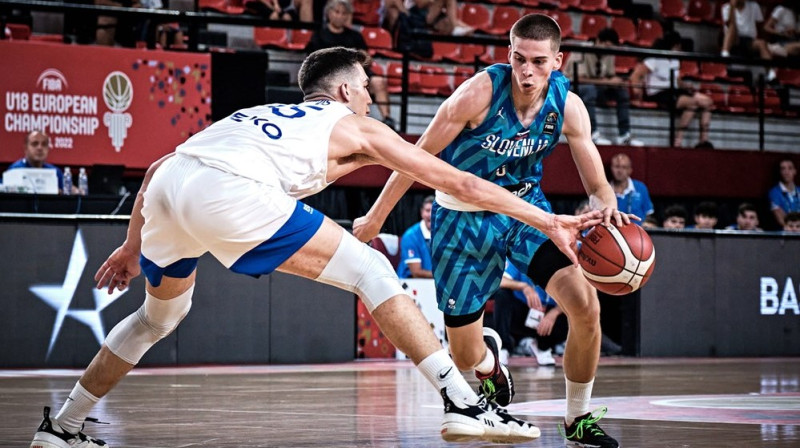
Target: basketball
[(617, 260)]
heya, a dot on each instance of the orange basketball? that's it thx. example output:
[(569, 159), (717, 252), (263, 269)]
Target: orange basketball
[(617, 260)]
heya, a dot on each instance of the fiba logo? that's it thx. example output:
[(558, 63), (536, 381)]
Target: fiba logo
[(118, 96), (52, 80)]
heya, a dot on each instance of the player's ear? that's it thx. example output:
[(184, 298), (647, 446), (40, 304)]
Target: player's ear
[(559, 60), (344, 92)]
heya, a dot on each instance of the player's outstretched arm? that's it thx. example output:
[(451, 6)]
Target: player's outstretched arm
[(468, 103), (384, 147), (123, 264), (578, 130)]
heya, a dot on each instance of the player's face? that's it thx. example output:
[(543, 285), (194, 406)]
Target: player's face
[(704, 222), (747, 221), (37, 148), (531, 63), (788, 171), (674, 222), (360, 99), (425, 213)]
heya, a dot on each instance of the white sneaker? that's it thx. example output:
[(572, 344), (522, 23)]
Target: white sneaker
[(627, 139), (725, 54), (50, 435), (504, 356), (771, 75), (544, 357), (512, 429), (525, 347), (598, 139), (777, 50)]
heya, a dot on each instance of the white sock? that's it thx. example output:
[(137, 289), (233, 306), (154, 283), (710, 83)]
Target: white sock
[(440, 370), (76, 409), (578, 396), (486, 366)]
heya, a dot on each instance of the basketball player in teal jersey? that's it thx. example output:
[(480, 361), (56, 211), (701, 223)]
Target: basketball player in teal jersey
[(499, 125)]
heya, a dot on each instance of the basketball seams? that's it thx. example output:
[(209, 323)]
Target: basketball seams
[(633, 274)]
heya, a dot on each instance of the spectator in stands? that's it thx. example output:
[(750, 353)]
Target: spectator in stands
[(415, 246), (784, 197), (675, 217), (112, 30), (439, 16), (705, 216), (741, 31), (782, 31), (791, 222), (335, 32), (746, 219), (37, 148), (597, 81), (529, 321), (632, 195), (288, 10), (656, 75), (650, 222)]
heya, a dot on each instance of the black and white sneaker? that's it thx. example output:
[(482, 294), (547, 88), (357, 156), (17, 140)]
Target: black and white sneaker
[(519, 431), (585, 432), (483, 421), (498, 386), (50, 435)]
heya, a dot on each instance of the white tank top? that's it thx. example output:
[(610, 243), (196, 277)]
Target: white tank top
[(283, 145)]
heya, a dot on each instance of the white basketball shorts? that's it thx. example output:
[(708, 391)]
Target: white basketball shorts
[(190, 209)]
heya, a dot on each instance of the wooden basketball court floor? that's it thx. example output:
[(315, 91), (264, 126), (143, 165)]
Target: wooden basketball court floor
[(652, 403)]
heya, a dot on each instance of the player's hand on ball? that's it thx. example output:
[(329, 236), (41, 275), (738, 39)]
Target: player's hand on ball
[(118, 270), (564, 229), (614, 216)]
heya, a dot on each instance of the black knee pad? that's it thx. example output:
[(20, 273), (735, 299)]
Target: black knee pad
[(466, 319), (546, 262)]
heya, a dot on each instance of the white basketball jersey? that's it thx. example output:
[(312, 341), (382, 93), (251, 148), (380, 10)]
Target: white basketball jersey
[(284, 145)]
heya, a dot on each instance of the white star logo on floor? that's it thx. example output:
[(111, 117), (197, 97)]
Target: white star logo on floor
[(60, 297)]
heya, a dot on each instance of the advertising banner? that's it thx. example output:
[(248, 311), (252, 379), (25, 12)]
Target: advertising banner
[(101, 105)]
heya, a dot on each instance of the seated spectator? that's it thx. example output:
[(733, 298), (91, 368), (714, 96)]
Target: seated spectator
[(123, 30), (655, 74), (741, 32), (597, 81), (705, 216), (675, 217), (632, 195), (651, 222), (746, 219), (335, 32), (37, 148), (537, 335), (784, 197), (287, 10), (782, 31), (403, 18), (791, 222), (415, 246)]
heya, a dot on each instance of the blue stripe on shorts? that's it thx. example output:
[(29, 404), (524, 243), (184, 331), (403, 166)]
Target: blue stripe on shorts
[(180, 269), (294, 234)]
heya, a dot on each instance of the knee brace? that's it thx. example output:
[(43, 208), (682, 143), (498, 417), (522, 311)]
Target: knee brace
[(358, 268), (153, 321)]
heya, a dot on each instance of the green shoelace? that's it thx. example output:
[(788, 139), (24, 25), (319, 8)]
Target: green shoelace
[(586, 424)]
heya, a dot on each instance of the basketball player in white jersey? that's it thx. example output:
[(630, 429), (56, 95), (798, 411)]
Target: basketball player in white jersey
[(233, 189)]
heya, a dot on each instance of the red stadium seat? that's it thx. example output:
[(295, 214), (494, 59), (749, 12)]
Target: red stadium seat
[(772, 102), (394, 75), (673, 9), (461, 74), (379, 42), (19, 31), (624, 65), (298, 39), (270, 37), (564, 20), (716, 93), (591, 24), (700, 11), (433, 81), (503, 19), (625, 28), (569, 4), (365, 13), (475, 15), (741, 100), (789, 76), (690, 70), (497, 55), (714, 71), (599, 6), (449, 51), (223, 6), (469, 52), (648, 31)]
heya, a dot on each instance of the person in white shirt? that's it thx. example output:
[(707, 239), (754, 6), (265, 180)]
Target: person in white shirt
[(781, 29), (741, 32)]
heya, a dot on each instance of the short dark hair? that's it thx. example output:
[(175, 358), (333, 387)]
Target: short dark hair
[(791, 217), (321, 66), (608, 35), (747, 207), (675, 210), (538, 27), (706, 208)]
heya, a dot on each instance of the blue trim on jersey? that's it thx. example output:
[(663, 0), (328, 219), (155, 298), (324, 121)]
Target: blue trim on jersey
[(294, 234), (414, 246), (780, 198), (180, 269), (469, 249)]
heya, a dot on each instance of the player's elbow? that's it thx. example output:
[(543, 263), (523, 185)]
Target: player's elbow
[(469, 189)]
